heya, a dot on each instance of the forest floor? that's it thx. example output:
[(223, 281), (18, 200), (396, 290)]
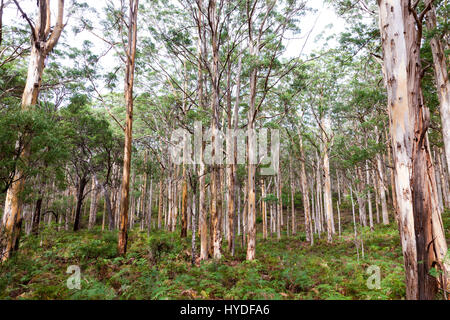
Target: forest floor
[(159, 267)]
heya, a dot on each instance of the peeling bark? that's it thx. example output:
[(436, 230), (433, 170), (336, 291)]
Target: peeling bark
[(421, 229)]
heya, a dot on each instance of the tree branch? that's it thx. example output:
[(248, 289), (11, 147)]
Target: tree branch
[(24, 15)]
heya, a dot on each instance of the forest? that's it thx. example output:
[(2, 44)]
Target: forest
[(224, 150)]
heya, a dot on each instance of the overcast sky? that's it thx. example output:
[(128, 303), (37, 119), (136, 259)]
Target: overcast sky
[(324, 20)]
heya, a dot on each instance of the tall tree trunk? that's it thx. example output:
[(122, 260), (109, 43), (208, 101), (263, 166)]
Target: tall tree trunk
[(109, 209), (160, 200), (216, 155), (328, 201), (80, 195), (339, 202), (236, 219), (360, 198), (441, 78), (73, 204), (189, 212), (184, 186), (382, 189), (306, 207), (166, 207), (117, 213), (133, 200), (1, 21), (93, 208), (438, 181), (319, 194), (37, 216), (245, 215), (202, 216), (239, 219), (291, 182), (170, 200), (369, 196), (144, 216), (444, 178), (314, 208), (128, 89), (251, 147), (264, 207), (279, 203), (421, 228), (376, 189), (193, 224), (231, 205), (104, 216), (233, 166), (175, 197), (184, 194), (169, 209), (203, 219), (355, 232), (43, 41), (150, 208), (392, 178)]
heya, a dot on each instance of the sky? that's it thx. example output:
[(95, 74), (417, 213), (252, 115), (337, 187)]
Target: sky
[(323, 20)]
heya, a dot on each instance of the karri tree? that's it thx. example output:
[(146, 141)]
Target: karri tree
[(43, 40)]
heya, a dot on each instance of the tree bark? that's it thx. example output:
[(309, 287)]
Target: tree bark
[(279, 203), (193, 225), (184, 204), (202, 216), (304, 182), (144, 216), (264, 207), (43, 41), (203, 219), (444, 178), (128, 89), (93, 208), (421, 228), (216, 198), (382, 190), (369, 196), (291, 181), (150, 208), (355, 232), (160, 201), (318, 195), (80, 195), (251, 147), (232, 176), (441, 78), (438, 178), (328, 201), (37, 216), (360, 198)]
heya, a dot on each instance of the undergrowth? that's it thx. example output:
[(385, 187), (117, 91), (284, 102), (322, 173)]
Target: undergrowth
[(159, 267)]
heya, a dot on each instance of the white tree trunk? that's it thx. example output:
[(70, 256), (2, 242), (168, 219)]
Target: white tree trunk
[(442, 82), (328, 201), (421, 228), (93, 208)]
